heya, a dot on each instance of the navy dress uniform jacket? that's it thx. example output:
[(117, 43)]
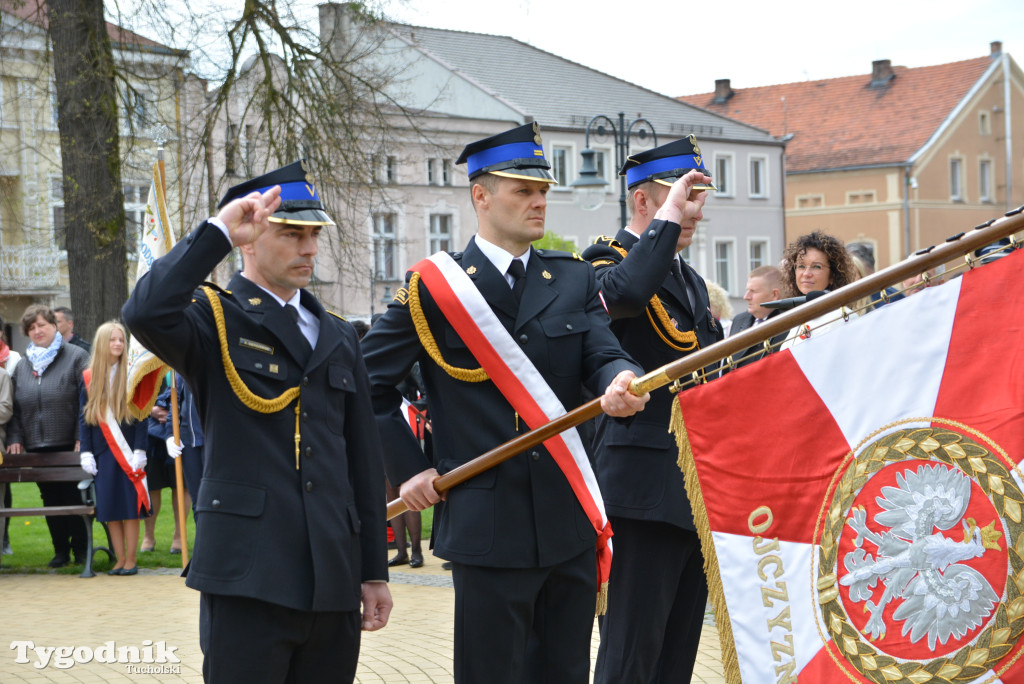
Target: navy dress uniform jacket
[(301, 538), (740, 323), (522, 513), (636, 462)]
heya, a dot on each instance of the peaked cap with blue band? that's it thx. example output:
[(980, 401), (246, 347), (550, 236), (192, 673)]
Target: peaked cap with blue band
[(665, 163), (513, 154), (300, 201)]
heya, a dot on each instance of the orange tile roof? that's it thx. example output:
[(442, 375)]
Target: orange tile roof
[(842, 122)]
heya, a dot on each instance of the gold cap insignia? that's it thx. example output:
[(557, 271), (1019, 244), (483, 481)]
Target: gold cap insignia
[(536, 132), (547, 275), (471, 270), (255, 301)]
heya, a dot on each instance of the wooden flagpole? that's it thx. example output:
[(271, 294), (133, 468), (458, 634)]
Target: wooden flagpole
[(953, 248), (179, 478)]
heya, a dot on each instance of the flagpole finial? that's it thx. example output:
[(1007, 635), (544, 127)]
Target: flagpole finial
[(161, 134)]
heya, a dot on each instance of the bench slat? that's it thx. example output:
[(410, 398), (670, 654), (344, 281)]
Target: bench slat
[(56, 474), (31, 460), (43, 511)]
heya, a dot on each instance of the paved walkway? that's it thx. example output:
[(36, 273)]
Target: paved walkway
[(52, 610)]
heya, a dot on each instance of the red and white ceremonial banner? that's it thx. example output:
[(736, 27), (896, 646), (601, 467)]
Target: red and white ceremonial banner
[(859, 497), (145, 369)]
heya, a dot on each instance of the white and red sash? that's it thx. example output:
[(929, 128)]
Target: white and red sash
[(520, 383), (121, 451)]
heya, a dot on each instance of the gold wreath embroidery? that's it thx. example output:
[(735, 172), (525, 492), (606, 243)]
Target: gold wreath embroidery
[(430, 344), (935, 444)]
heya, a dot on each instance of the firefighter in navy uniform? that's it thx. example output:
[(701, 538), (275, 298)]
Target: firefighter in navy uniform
[(522, 547), (661, 312), (290, 535)]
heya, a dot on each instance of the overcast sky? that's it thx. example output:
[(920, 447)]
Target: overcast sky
[(677, 47)]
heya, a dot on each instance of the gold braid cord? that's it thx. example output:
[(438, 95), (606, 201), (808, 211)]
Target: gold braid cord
[(243, 393), (430, 344), (680, 341), (716, 593)]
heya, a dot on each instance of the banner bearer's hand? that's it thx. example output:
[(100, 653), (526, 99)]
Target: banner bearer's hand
[(418, 491), (246, 217), (618, 401), (173, 450), (377, 605)]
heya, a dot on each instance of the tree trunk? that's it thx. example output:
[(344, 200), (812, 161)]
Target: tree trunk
[(87, 119)]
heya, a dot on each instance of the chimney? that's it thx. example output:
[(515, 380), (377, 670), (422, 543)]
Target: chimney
[(723, 91), (996, 46), (881, 73)]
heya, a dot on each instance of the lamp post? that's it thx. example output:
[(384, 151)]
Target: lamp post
[(588, 189)]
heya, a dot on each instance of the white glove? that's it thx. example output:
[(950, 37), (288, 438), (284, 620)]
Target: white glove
[(140, 459), (88, 462), (173, 450)]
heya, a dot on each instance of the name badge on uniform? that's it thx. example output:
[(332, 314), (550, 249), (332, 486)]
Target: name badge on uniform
[(258, 346)]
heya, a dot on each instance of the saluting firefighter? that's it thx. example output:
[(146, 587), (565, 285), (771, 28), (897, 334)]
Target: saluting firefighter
[(290, 515), (661, 312), (506, 335)]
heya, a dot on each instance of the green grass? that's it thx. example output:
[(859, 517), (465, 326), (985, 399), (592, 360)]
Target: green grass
[(33, 549)]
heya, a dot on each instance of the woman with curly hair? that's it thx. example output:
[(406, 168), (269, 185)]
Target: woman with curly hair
[(816, 262)]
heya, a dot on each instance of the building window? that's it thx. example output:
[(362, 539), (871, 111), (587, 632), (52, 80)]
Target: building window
[(440, 233), (723, 176), (985, 180), (810, 201), (560, 157), (390, 170), (135, 197), (861, 197), (758, 254), (431, 171), (956, 180), (446, 172), (385, 246), (724, 264), (60, 235), (984, 124), (758, 177)]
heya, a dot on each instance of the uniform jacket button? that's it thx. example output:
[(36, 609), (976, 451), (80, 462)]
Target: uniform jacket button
[(309, 486), (524, 338), (535, 455), (652, 233), (215, 503), (309, 451), (568, 326)]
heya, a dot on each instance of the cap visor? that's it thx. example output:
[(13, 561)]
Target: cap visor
[(303, 217), (670, 181), (534, 174)]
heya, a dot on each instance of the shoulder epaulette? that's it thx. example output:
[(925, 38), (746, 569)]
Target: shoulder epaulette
[(339, 316), (558, 254), (217, 287)]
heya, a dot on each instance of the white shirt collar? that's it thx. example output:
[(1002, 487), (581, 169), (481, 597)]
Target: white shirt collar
[(499, 257)]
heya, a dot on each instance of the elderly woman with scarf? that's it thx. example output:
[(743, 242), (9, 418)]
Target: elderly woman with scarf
[(46, 386), (114, 446)]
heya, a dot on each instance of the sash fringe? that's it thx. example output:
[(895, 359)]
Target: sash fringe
[(716, 594), (602, 600)]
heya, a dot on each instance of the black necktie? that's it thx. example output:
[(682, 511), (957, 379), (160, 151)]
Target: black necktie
[(518, 273), (293, 313)]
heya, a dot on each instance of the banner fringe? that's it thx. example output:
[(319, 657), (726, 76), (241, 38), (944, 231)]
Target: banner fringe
[(602, 600), (730, 661), (138, 374)]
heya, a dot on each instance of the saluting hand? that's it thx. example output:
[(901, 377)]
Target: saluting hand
[(618, 401), (246, 217), (683, 202)]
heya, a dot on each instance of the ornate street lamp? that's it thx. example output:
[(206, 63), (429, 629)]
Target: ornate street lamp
[(588, 189)]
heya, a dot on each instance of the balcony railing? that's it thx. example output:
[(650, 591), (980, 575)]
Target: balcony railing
[(24, 267)]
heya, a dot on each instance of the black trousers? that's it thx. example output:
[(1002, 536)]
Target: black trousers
[(520, 625), (67, 532), (656, 599), (245, 640)]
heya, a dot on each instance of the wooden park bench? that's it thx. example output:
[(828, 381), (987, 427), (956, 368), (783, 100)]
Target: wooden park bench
[(61, 466)]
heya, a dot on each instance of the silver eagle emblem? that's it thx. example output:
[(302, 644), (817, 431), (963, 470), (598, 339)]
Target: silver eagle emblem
[(940, 596)]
